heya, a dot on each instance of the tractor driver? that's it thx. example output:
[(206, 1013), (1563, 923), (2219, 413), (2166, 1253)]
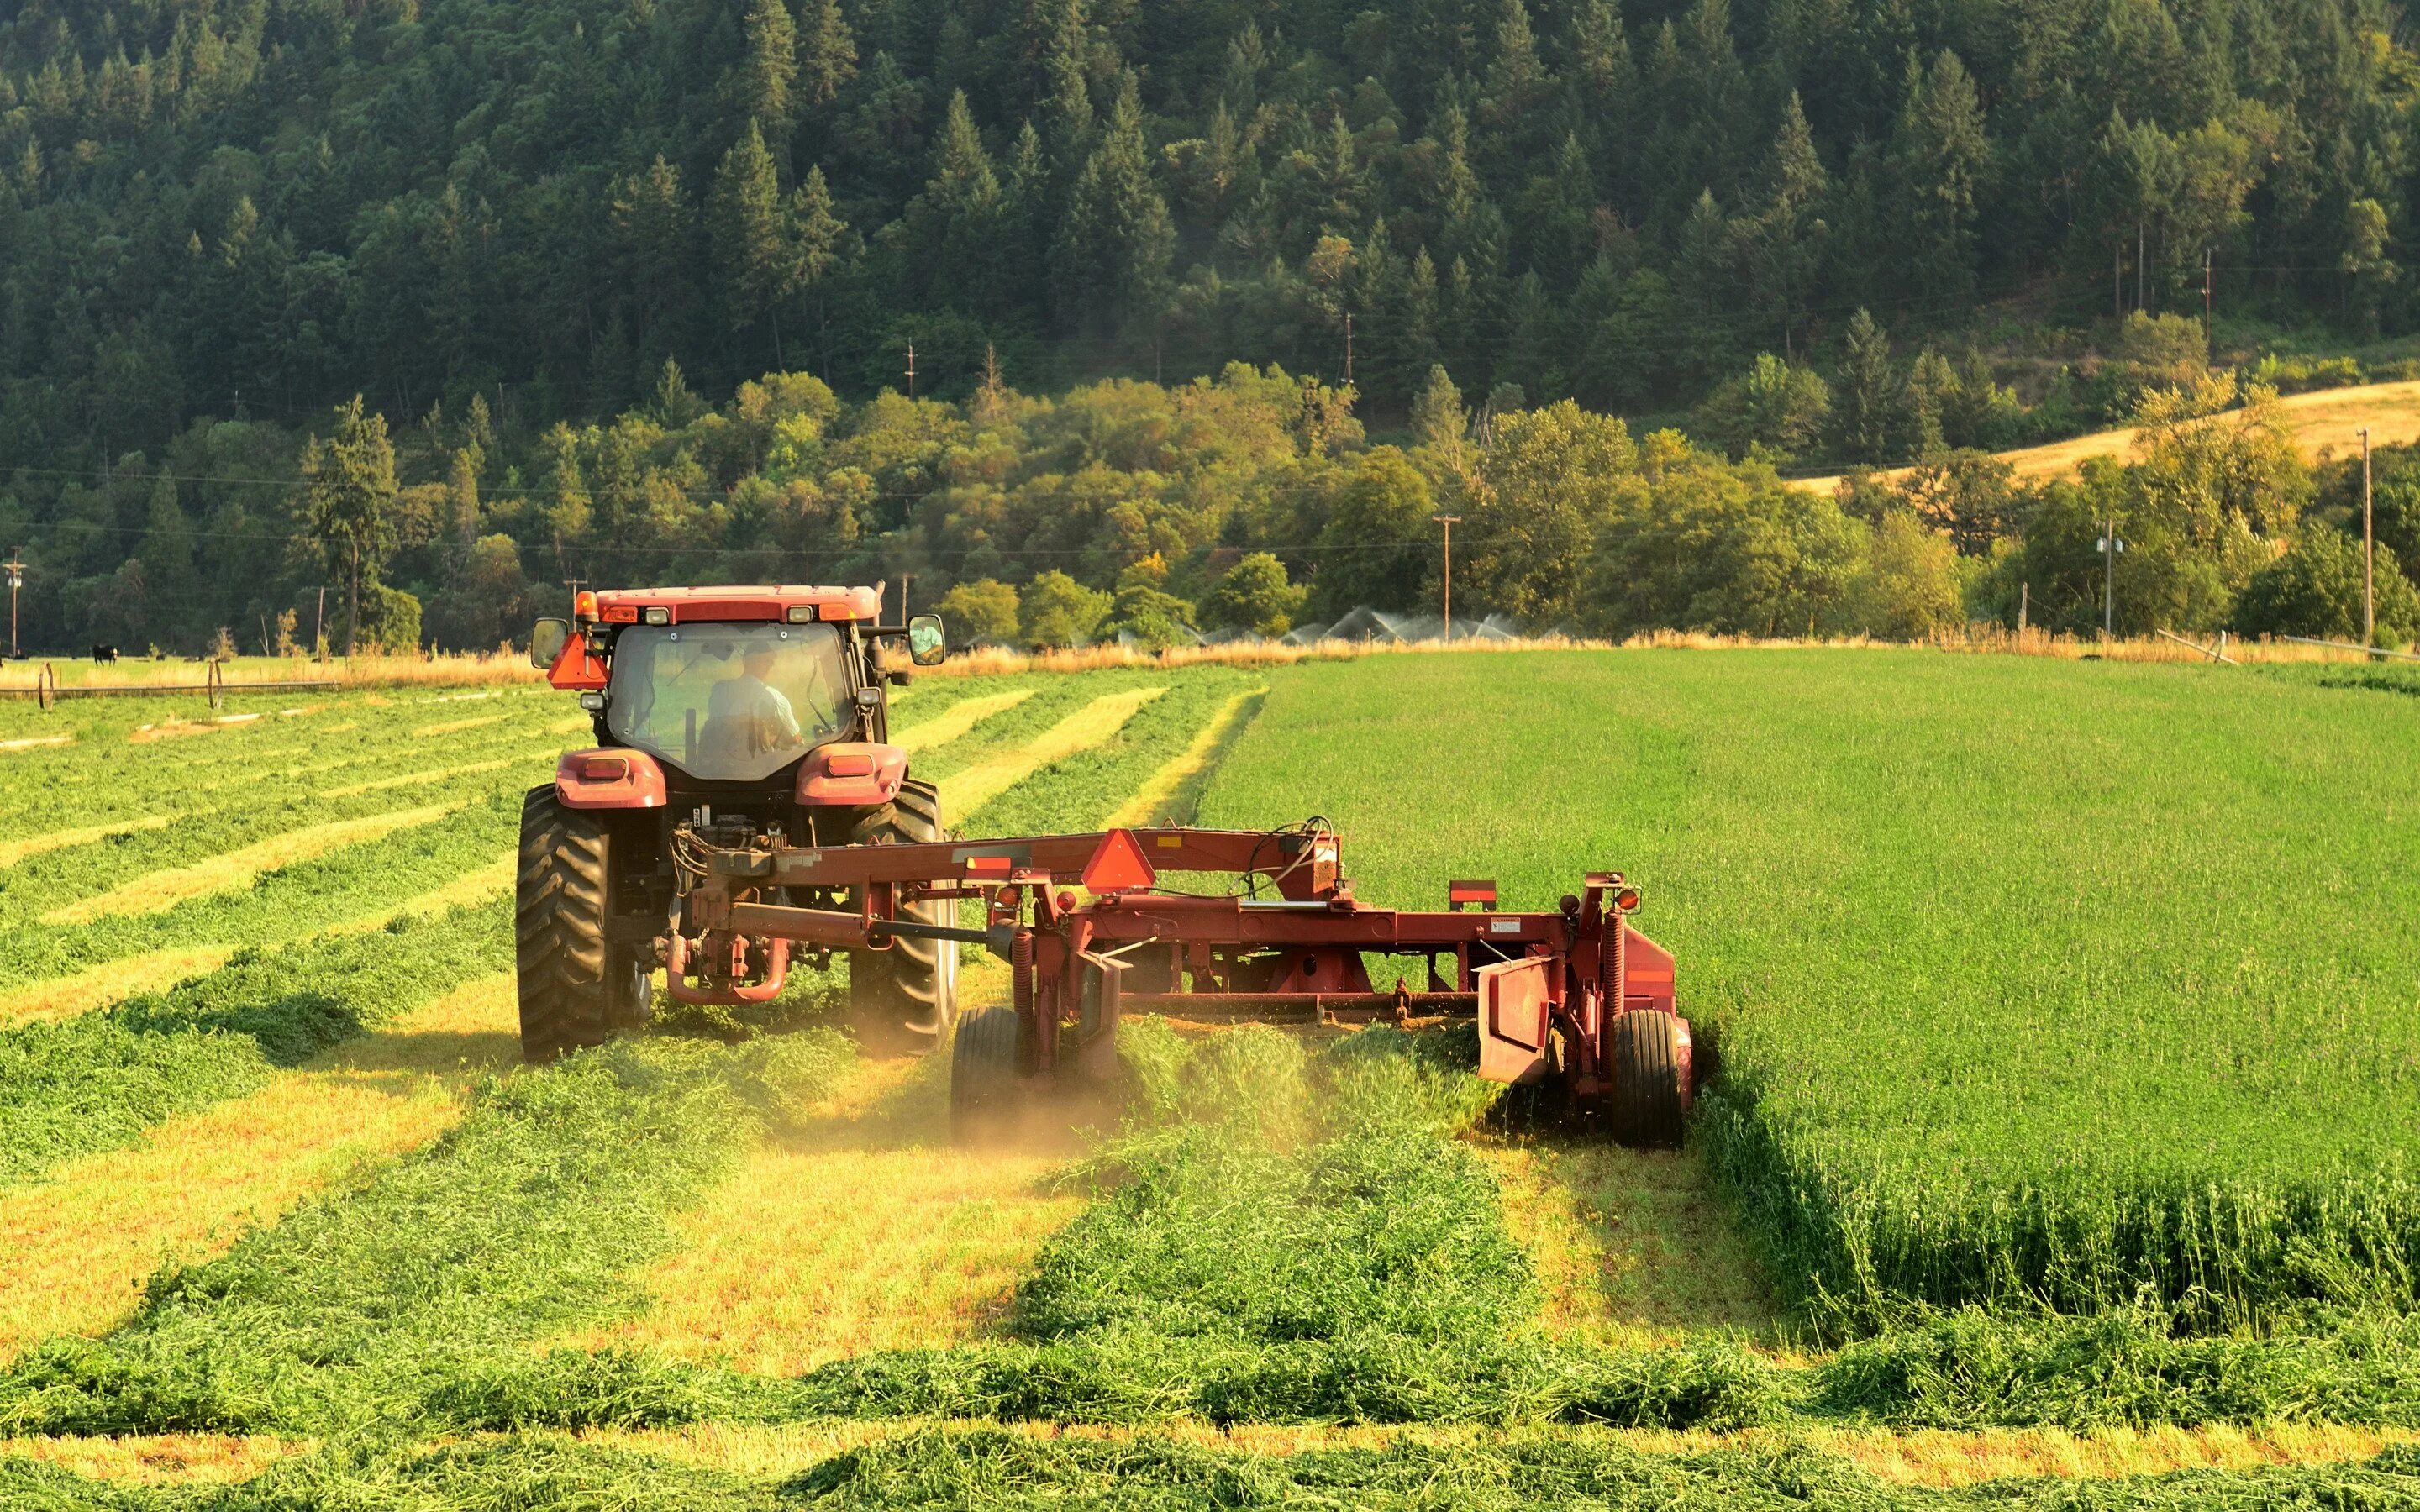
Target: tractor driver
[(749, 703)]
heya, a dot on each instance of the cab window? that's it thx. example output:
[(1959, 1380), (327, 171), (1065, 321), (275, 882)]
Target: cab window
[(728, 702)]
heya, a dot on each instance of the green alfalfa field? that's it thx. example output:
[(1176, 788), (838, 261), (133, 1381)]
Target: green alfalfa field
[(2068, 1068)]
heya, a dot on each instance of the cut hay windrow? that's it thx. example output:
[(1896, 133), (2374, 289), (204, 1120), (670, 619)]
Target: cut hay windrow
[(1923, 1458), (454, 727), (411, 1296), (13, 852), (355, 882), (238, 868), (1000, 1469), (965, 790), (85, 1084), (1168, 794), (113, 981), (1081, 789), (421, 778), (957, 721), (74, 1247), (864, 1230), (1307, 1245)]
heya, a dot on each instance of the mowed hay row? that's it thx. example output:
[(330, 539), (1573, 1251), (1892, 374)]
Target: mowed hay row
[(1080, 791), (110, 982), (239, 867), (73, 1247), (352, 1310), (81, 1085), (1170, 792), (1993, 1025), (1632, 1249), (14, 850), (350, 884), (865, 1229), (965, 791), (956, 719), (418, 779), (994, 1470), (1925, 1459)]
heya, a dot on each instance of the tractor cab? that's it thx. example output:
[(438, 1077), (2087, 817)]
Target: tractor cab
[(721, 715), (730, 686)]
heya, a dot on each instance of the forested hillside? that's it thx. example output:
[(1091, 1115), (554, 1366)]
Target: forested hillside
[(270, 206), (1853, 230)]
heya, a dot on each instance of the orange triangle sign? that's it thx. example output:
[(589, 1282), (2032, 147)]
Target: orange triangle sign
[(1118, 864)]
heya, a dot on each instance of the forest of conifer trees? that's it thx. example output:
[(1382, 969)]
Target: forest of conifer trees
[(1845, 231)]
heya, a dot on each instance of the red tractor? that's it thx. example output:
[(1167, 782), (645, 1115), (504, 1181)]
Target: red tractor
[(744, 807), (722, 716)]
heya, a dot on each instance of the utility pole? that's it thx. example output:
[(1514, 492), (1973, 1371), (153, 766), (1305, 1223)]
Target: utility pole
[(1348, 348), (16, 565), (1448, 521), (911, 370), (2110, 547), (2205, 336), (319, 626), (905, 578), (573, 583), (2368, 553), (2025, 604)]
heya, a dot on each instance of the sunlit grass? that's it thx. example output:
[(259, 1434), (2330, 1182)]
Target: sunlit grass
[(1169, 793), (958, 720), (74, 1247), (968, 789), (64, 997), (864, 1230), (238, 867)]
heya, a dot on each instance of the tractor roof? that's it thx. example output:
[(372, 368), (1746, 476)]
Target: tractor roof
[(626, 605)]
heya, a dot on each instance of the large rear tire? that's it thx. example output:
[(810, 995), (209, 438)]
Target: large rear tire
[(577, 989), (982, 1077), (1647, 1100), (904, 998)]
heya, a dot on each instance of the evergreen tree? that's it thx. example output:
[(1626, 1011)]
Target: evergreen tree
[(1786, 234), (1112, 256), (1867, 399), (763, 87), (1943, 155), (349, 502), (754, 263), (827, 56)]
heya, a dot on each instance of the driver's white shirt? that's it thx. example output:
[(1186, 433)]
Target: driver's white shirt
[(752, 697)]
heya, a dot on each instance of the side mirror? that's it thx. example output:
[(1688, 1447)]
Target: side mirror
[(547, 638), (926, 644)]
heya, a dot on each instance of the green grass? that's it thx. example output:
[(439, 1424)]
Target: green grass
[(93, 1083), (393, 1301), (353, 883), (1081, 792), (2035, 982), (992, 1470)]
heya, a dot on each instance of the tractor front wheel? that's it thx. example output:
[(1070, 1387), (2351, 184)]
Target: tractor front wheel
[(577, 989), (982, 1077), (906, 998), (1650, 1072)]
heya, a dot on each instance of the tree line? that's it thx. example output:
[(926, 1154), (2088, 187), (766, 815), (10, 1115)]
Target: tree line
[(244, 211), (1253, 503)]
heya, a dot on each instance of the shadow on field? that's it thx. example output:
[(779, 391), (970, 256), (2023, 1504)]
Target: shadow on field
[(1633, 1247)]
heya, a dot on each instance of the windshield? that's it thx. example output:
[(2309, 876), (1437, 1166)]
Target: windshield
[(727, 703)]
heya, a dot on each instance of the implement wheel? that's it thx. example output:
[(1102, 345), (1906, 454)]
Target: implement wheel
[(904, 998), (576, 989), (1648, 1071), (982, 1077)]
